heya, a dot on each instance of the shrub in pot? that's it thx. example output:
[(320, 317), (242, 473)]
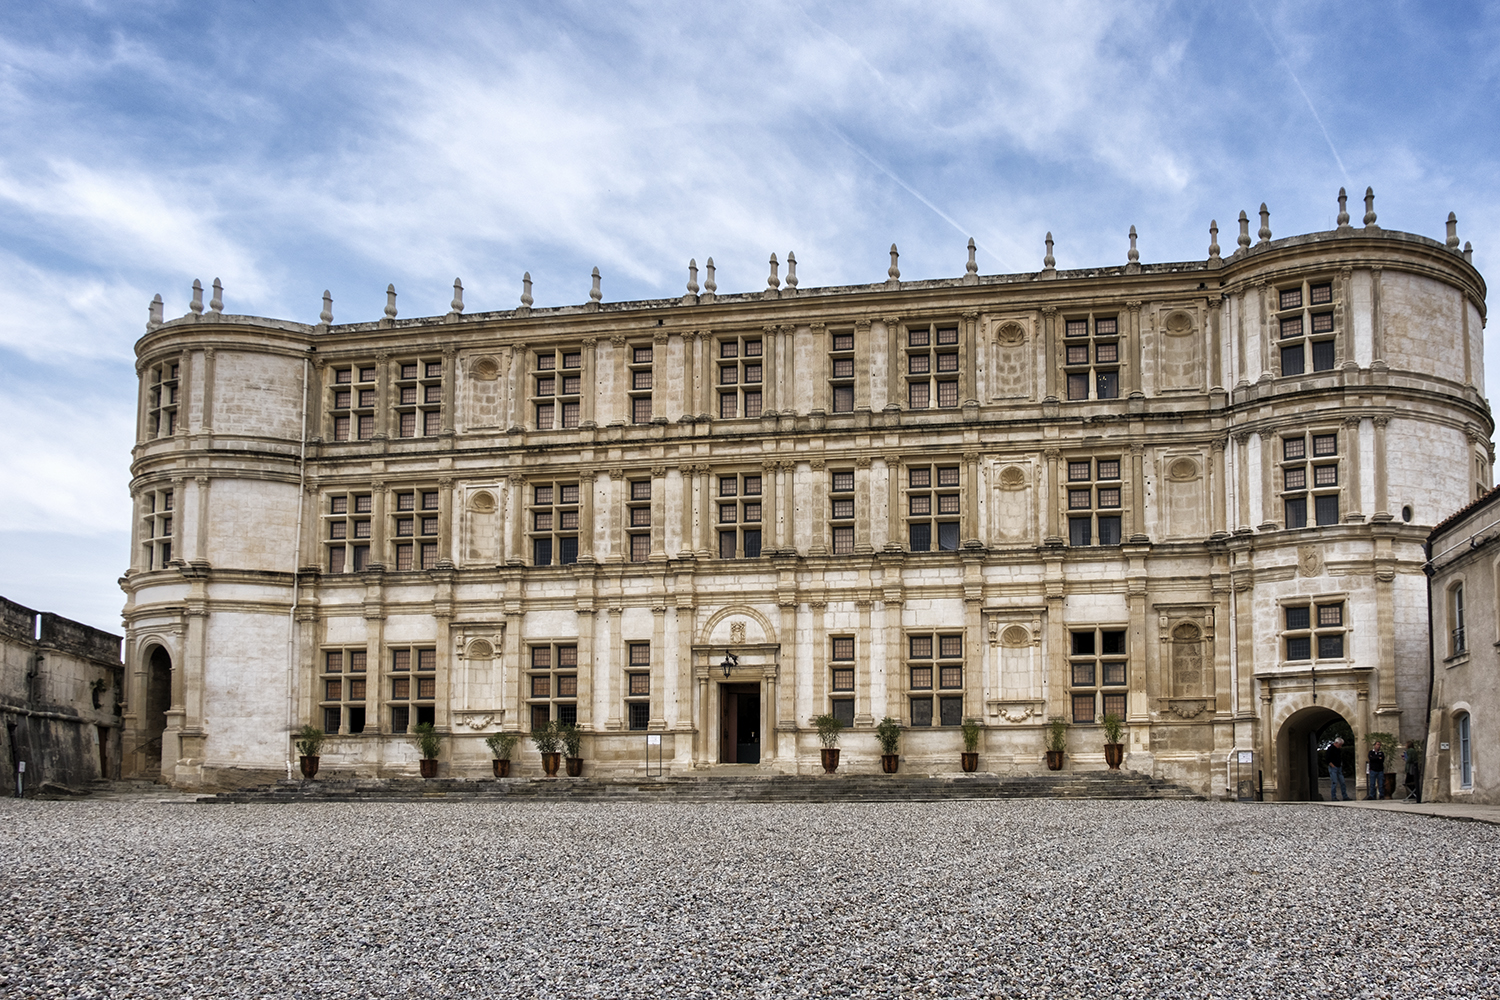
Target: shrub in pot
[(572, 740), (1114, 749), (309, 744), (828, 734), (1057, 742), (548, 742), (501, 746), (889, 735), (970, 756), (429, 745)]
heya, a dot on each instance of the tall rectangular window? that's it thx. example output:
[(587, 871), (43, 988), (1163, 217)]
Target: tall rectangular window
[(641, 379), (1091, 357), (739, 515), (932, 365), (344, 689), (1314, 628), (552, 683), (1094, 494), (553, 525), (162, 398), (1309, 471), (841, 372), (933, 495), (557, 388), (1304, 326), (841, 512), (740, 376), (346, 531), (638, 686), (412, 686), (1097, 666), (935, 678), (415, 529), (156, 527), (419, 397), (351, 403)]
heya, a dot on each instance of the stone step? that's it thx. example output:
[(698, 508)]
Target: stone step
[(696, 788)]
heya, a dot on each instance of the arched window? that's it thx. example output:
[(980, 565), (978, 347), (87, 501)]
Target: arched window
[(1459, 642), (1465, 753)]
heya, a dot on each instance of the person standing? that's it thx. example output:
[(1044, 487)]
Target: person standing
[(1336, 770), (1376, 768)]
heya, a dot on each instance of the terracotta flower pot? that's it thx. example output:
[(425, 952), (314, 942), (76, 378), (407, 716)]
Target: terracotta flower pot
[(889, 762), (575, 766), (970, 761), (502, 767), (429, 767), (830, 759), (1114, 753), (1054, 760), (309, 766), (550, 763)]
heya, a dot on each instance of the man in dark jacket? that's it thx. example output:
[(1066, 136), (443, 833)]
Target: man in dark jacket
[(1336, 770), (1376, 767)]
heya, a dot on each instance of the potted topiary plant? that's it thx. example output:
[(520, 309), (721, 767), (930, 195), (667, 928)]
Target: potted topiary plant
[(548, 740), (1057, 742), (429, 744), (1114, 750), (828, 734), (970, 756), (501, 746), (889, 735), (309, 743), (572, 740)]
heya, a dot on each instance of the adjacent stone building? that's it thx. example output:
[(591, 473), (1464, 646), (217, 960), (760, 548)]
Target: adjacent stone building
[(1194, 494), (60, 692), (1460, 763)]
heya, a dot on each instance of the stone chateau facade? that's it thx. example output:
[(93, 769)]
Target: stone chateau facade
[(1194, 494)]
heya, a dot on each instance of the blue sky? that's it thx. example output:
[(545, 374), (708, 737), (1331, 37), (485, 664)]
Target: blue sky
[(290, 147)]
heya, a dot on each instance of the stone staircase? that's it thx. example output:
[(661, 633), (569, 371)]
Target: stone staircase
[(693, 788)]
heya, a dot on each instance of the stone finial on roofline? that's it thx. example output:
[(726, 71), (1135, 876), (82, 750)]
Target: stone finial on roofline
[(327, 314), (971, 269), (1265, 224), (791, 272), (1133, 258), (709, 286), (692, 285), (1469, 252), (390, 301), (1370, 208), (1343, 221), (526, 298), (197, 304), (217, 302), (155, 316), (893, 273), (1452, 232), (773, 283), (457, 305), (596, 295), (1049, 262), (1214, 260), (1244, 239)]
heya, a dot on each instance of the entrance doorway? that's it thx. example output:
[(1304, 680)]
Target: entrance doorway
[(739, 723), (158, 701), (1301, 774)]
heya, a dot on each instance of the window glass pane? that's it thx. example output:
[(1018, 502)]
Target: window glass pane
[(1331, 647), (640, 714), (1083, 643), (1332, 615), (1077, 328), (921, 678), (917, 338), (918, 395), (1295, 479), (919, 364), (920, 479), (1299, 648), (752, 486), (541, 552), (1112, 642), (1078, 354), (1297, 618), (843, 399), (752, 543), (921, 711), (1322, 353), (1078, 471), (1296, 513), (920, 647), (1291, 327), (1108, 384), (1107, 353), (952, 711), (843, 710), (948, 536), (1325, 475), (1293, 448), (951, 677), (1083, 673), (843, 541), (1106, 327), (1080, 499), (1291, 298), (1114, 672), (1109, 530), (1114, 704), (843, 679), (950, 646), (843, 341), (843, 648), (640, 684), (1325, 444), (1291, 360), (921, 537), (843, 482), (920, 504), (1327, 509), (728, 544), (1080, 531), (1321, 294), (1078, 386), (1083, 707), (567, 551), (1109, 468)]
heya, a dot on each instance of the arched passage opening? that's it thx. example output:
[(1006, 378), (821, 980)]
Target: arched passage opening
[(154, 718), (1301, 776)]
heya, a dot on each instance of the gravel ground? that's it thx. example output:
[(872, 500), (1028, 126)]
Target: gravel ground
[(1034, 898)]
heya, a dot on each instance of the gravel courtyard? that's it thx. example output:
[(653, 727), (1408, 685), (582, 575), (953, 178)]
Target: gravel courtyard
[(1034, 898)]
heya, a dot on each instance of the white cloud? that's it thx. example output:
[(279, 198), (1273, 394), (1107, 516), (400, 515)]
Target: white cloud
[(55, 316)]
